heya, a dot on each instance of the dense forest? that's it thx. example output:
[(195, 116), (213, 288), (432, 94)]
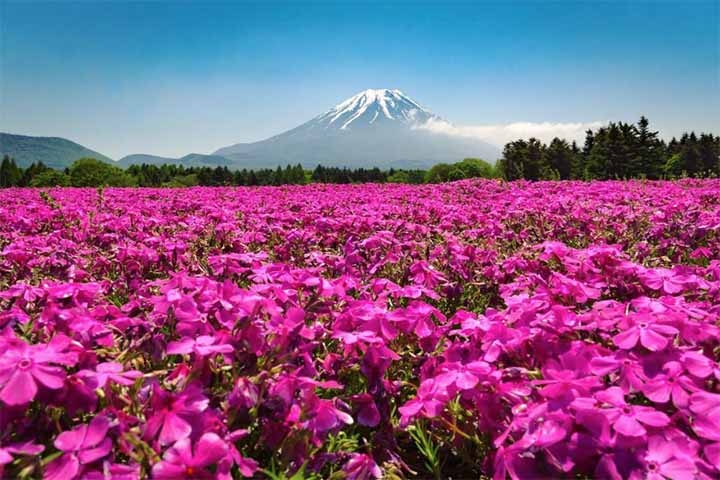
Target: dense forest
[(616, 151)]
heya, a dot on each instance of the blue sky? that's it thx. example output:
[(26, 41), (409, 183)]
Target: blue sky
[(169, 78)]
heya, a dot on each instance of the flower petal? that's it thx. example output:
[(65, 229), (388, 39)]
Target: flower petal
[(20, 389), (209, 450)]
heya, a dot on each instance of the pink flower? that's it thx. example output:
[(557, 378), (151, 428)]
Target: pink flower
[(653, 336), (109, 371), (579, 292), (367, 412), (426, 275), (325, 416), (80, 446), (430, 399), (663, 279), (172, 414), (361, 467), (672, 383), (706, 409), (629, 419), (464, 376), (628, 365), (23, 367), (203, 346), (182, 461), (661, 461), (699, 365)]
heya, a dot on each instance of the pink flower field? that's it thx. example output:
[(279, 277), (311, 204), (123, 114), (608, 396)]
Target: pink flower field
[(474, 329)]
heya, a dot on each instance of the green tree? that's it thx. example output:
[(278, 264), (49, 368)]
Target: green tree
[(438, 173), (534, 160), (456, 173), (31, 172), (89, 172), (399, 176), (709, 152), (10, 173), (559, 158), (578, 162), (475, 168), (650, 151), (512, 163), (50, 178), (189, 180), (608, 155)]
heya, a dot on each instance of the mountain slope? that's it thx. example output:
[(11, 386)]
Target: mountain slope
[(371, 128), (55, 152)]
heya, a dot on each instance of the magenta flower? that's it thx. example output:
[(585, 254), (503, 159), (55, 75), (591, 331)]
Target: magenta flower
[(172, 414), (699, 365), (325, 416), (367, 412), (203, 346), (662, 463), (430, 400), (653, 336), (627, 419), (464, 376), (23, 367), (426, 275), (80, 446), (706, 419), (361, 467), (628, 366), (559, 383), (182, 461), (664, 279), (671, 383), (579, 292), (109, 371)]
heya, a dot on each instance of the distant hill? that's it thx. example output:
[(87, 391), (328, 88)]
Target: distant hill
[(189, 160), (54, 152)]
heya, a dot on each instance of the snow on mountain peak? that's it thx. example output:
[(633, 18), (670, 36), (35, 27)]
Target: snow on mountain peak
[(374, 105)]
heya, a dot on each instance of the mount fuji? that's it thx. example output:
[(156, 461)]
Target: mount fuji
[(374, 128)]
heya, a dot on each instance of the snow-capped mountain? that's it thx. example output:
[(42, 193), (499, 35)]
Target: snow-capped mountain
[(374, 128), (374, 107)]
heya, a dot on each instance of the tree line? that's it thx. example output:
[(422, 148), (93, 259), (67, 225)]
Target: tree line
[(616, 151), (89, 172)]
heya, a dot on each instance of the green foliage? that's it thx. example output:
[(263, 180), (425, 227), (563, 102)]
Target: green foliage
[(476, 168), (427, 448), (524, 159), (399, 177), (674, 166), (438, 173), (182, 181), (10, 173), (89, 172), (50, 178), (560, 160)]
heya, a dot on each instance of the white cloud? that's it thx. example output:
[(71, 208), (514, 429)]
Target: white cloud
[(501, 134)]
